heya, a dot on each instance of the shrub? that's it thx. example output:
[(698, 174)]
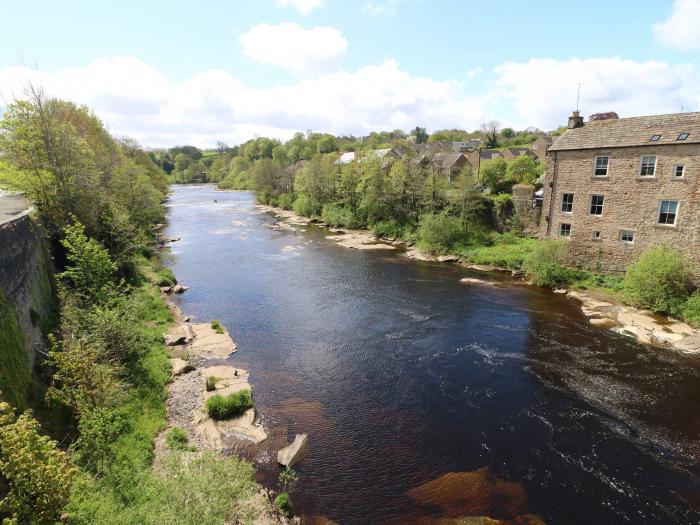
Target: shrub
[(176, 439), (211, 383), (437, 233), (306, 205), (508, 251), (691, 310), (225, 407), (164, 276), (284, 503), (659, 281), (389, 228), (337, 215), (216, 325), (285, 201), (543, 265)]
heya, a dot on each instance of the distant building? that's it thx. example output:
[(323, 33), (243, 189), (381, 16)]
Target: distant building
[(615, 187), (541, 146), (449, 164), (385, 155), (346, 158), (469, 145), (476, 157), (512, 153)]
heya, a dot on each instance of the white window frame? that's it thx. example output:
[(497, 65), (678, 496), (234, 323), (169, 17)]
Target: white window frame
[(675, 171), (590, 205), (607, 166), (641, 165), (562, 203), (599, 237), (560, 229), (675, 219), (622, 234)]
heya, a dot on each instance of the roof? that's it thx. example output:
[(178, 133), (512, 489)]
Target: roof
[(446, 160), (634, 131), (518, 151), (490, 154), (346, 158)]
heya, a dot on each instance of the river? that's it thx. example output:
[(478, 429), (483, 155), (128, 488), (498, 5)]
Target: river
[(400, 375)]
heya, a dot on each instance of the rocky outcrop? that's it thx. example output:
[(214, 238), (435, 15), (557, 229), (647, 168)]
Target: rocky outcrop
[(291, 454)]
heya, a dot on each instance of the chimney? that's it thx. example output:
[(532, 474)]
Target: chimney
[(575, 120)]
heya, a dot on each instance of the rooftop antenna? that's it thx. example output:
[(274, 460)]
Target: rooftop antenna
[(681, 108), (578, 95)]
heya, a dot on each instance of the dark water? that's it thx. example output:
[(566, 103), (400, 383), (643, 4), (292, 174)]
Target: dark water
[(400, 374)]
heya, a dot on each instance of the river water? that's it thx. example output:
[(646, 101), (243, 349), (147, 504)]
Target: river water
[(401, 375)]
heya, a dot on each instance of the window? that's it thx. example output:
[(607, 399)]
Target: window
[(682, 136), (597, 204), (567, 202), (655, 138), (627, 236), (564, 230), (597, 235), (678, 172), (668, 211), (647, 167), (601, 166)]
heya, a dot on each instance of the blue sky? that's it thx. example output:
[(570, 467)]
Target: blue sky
[(179, 72)]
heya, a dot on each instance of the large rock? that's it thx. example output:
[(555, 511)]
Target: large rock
[(180, 366), (291, 454), (207, 342), (177, 335), (179, 288)]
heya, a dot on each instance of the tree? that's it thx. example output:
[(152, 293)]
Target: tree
[(523, 169), (490, 130), (221, 147), (507, 133), (421, 135), (327, 144), (37, 475), (494, 173)]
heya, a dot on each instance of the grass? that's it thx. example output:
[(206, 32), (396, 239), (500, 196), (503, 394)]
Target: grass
[(284, 503), (176, 439), (508, 251), (14, 374), (211, 383), (216, 325), (226, 407)]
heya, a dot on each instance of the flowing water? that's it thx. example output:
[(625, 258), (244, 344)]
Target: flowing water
[(401, 375)]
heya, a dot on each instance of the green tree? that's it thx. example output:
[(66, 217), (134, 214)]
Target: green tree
[(494, 173), (523, 169)]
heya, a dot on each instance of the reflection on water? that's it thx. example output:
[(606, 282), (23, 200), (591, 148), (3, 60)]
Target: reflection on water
[(427, 400)]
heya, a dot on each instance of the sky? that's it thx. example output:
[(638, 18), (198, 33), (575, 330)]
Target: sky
[(202, 72)]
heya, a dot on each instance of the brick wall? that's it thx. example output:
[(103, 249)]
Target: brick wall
[(631, 203)]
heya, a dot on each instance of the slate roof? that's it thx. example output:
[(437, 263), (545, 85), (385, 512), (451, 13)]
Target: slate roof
[(446, 160), (518, 152), (634, 131)]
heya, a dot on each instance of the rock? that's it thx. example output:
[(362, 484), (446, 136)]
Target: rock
[(666, 337), (447, 258), (689, 344), (179, 288), (484, 267), (596, 321), (471, 280), (415, 253), (517, 273), (289, 455), (186, 319), (180, 366), (561, 291), (166, 289), (176, 336), (208, 342)]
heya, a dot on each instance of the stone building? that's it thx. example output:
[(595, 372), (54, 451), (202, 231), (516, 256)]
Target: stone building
[(615, 187), (541, 146)]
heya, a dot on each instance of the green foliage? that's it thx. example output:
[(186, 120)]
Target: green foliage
[(288, 480), (98, 431), (176, 439), (494, 173), (164, 275), (37, 475), (216, 325), (690, 311), (285, 201), (90, 270), (524, 169), (437, 233), (338, 215), (390, 228), (305, 205), (284, 503), (225, 407), (543, 264), (660, 281), (211, 383), (14, 372), (508, 251)]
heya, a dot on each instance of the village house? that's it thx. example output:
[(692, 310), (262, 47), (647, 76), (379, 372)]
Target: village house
[(615, 187), (513, 153), (541, 146), (449, 164), (476, 157)]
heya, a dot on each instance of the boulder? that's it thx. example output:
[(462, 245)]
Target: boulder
[(166, 289), (179, 288), (291, 454), (177, 336), (561, 291), (180, 366), (448, 258)]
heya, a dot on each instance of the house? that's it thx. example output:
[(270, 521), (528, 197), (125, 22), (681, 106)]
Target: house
[(617, 186), (469, 145), (476, 157), (346, 158), (512, 153), (541, 146), (384, 155), (449, 164)]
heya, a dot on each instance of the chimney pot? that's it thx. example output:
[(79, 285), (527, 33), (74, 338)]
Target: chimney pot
[(575, 120)]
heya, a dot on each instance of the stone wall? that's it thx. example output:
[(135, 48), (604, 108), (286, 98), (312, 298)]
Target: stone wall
[(631, 203), (26, 278)]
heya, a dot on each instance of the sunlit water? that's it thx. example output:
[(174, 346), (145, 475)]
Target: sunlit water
[(400, 374)]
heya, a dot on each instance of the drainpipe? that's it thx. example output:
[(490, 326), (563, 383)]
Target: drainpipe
[(552, 194)]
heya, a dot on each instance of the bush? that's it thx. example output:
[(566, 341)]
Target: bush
[(543, 265), (176, 439), (164, 276), (305, 205), (389, 228), (508, 251), (337, 215), (211, 383), (216, 325), (660, 281), (690, 311), (285, 201), (284, 503), (220, 407), (437, 233)]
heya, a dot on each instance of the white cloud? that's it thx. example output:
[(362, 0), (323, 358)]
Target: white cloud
[(292, 47), (680, 30), (543, 91), (475, 72), (137, 100), (381, 8), (303, 6)]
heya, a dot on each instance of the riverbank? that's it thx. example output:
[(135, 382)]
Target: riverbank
[(603, 309)]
